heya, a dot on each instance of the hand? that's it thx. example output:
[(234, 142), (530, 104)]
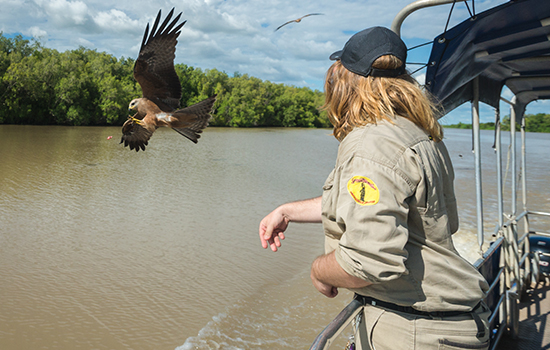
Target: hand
[(325, 289), (272, 229), (327, 276)]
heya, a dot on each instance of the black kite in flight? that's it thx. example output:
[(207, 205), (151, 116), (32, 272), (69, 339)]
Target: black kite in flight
[(161, 90)]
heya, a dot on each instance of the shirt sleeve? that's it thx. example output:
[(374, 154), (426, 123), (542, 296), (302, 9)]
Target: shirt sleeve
[(372, 208)]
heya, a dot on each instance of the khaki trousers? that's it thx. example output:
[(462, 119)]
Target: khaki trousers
[(383, 329)]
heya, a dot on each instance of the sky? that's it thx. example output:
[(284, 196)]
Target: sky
[(238, 36)]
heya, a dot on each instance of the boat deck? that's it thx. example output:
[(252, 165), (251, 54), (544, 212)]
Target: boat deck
[(534, 330)]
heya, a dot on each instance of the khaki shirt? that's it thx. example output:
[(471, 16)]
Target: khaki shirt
[(389, 211)]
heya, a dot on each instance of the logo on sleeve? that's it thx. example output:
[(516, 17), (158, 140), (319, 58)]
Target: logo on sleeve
[(363, 190)]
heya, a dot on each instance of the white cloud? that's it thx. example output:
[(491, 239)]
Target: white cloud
[(36, 33), (84, 42), (116, 21), (65, 13)]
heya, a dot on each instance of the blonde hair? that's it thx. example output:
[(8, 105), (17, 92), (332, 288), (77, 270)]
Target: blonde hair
[(352, 100)]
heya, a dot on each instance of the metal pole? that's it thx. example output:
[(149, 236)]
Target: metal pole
[(513, 153), (523, 164), (410, 8), (526, 229), (477, 160), (498, 149)]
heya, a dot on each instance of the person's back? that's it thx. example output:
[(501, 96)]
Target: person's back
[(410, 268)]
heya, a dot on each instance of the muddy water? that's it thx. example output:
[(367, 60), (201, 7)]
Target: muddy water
[(105, 248)]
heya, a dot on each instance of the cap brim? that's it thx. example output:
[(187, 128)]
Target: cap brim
[(336, 56)]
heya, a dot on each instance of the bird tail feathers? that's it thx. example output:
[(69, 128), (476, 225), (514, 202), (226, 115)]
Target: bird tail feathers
[(193, 119)]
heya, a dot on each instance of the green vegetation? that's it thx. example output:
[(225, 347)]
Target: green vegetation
[(85, 87), (533, 123), (482, 126)]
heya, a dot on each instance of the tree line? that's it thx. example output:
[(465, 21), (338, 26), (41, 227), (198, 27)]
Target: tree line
[(539, 122), (39, 85)]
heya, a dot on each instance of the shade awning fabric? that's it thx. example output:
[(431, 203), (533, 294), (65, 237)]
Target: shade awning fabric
[(508, 45)]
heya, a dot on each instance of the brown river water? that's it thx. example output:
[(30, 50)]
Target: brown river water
[(105, 248)]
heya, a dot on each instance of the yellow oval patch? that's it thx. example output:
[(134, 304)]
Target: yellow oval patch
[(363, 190)]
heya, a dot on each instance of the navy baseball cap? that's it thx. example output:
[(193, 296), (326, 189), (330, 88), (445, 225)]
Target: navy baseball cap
[(364, 47)]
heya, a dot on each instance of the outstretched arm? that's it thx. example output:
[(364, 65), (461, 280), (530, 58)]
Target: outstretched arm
[(273, 226)]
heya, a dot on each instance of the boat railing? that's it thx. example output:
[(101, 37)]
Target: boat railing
[(520, 267), (348, 315), (492, 267), (521, 264)]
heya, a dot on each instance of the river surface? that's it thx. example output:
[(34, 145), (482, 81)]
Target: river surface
[(105, 248)]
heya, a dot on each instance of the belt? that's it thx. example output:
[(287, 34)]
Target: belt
[(364, 300)]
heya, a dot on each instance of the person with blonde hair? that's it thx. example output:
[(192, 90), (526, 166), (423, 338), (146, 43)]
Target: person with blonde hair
[(388, 208)]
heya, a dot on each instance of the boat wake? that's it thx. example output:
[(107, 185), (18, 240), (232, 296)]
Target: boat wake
[(300, 314)]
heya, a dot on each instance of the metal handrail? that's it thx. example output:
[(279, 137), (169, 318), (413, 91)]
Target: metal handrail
[(410, 8), (517, 250), (498, 305), (496, 281), (336, 326)]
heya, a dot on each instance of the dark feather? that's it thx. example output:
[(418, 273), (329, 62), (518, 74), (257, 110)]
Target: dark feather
[(154, 67), (155, 25), (201, 111), (144, 37), (135, 136)]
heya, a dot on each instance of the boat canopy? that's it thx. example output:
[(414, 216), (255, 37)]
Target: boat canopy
[(508, 45)]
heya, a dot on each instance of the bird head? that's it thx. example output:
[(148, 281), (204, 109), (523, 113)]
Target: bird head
[(133, 107)]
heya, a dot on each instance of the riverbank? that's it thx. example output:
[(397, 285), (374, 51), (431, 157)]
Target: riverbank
[(533, 123)]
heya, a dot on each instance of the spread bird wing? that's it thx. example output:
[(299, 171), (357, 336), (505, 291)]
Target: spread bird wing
[(297, 20), (284, 24), (312, 14), (194, 119), (154, 67), (136, 133)]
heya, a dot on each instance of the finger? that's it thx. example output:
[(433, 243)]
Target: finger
[(268, 231), (272, 245), (277, 241), (263, 241)]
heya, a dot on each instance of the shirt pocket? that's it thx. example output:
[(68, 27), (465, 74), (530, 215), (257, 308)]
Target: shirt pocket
[(431, 205), (436, 226)]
